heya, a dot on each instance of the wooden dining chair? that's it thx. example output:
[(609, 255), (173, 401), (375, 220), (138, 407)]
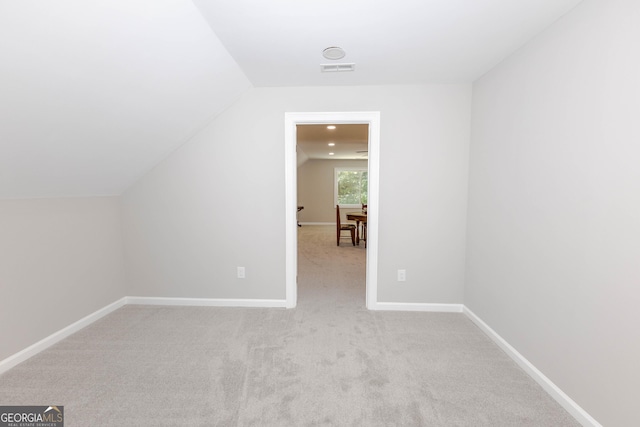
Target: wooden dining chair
[(344, 227), (364, 226)]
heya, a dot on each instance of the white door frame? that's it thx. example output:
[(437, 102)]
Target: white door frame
[(291, 175)]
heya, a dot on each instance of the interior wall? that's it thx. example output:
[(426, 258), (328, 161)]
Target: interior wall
[(61, 261), (218, 202), (316, 189), (554, 206)]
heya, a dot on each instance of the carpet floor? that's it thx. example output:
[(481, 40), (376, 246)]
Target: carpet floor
[(329, 362)]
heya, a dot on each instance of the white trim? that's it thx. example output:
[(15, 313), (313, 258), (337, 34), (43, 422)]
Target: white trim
[(553, 390), (58, 336), (291, 210), (371, 118), (63, 333), (373, 209), (207, 302), (410, 306)]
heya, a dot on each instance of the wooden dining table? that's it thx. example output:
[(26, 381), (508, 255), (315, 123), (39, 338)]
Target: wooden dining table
[(359, 217)]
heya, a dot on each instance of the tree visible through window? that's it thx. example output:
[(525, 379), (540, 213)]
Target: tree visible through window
[(351, 186)]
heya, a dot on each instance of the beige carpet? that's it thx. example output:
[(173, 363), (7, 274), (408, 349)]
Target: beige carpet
[(327, 362)]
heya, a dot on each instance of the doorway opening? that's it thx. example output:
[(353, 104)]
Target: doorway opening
[(292, 120)]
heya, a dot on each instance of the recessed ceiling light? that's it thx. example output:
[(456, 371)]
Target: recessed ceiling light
[(331, 154), (334, 52), (331, 144), (331, 127)]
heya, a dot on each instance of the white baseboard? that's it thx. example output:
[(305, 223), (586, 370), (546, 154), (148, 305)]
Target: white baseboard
[(207, 302), (410, 306), (56, 337), (52, 339), (554, 391)]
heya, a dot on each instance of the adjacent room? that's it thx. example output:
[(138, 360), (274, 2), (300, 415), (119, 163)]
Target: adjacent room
[(152, 270)]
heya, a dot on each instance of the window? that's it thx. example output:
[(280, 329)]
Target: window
[(350, 187)]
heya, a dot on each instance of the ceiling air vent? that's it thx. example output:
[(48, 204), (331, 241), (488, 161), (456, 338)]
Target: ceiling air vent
[(336, 68)]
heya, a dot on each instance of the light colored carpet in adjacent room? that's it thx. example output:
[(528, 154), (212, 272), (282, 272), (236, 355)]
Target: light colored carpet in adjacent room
[(327, 362)]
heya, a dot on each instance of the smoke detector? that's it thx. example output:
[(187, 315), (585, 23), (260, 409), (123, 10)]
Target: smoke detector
[(333, 53)]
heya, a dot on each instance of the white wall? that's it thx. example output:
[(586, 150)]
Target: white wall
[(316, 190), (218, 202), (553, 259), (61, 259)]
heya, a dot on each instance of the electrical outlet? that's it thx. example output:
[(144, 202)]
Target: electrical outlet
[(402, 275), (241, 274)]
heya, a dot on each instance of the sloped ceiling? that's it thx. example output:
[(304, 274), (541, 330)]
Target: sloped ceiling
[(348, 141), (94, 93)]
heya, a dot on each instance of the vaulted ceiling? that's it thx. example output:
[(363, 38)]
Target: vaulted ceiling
[(341, 141), (93, 94)]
